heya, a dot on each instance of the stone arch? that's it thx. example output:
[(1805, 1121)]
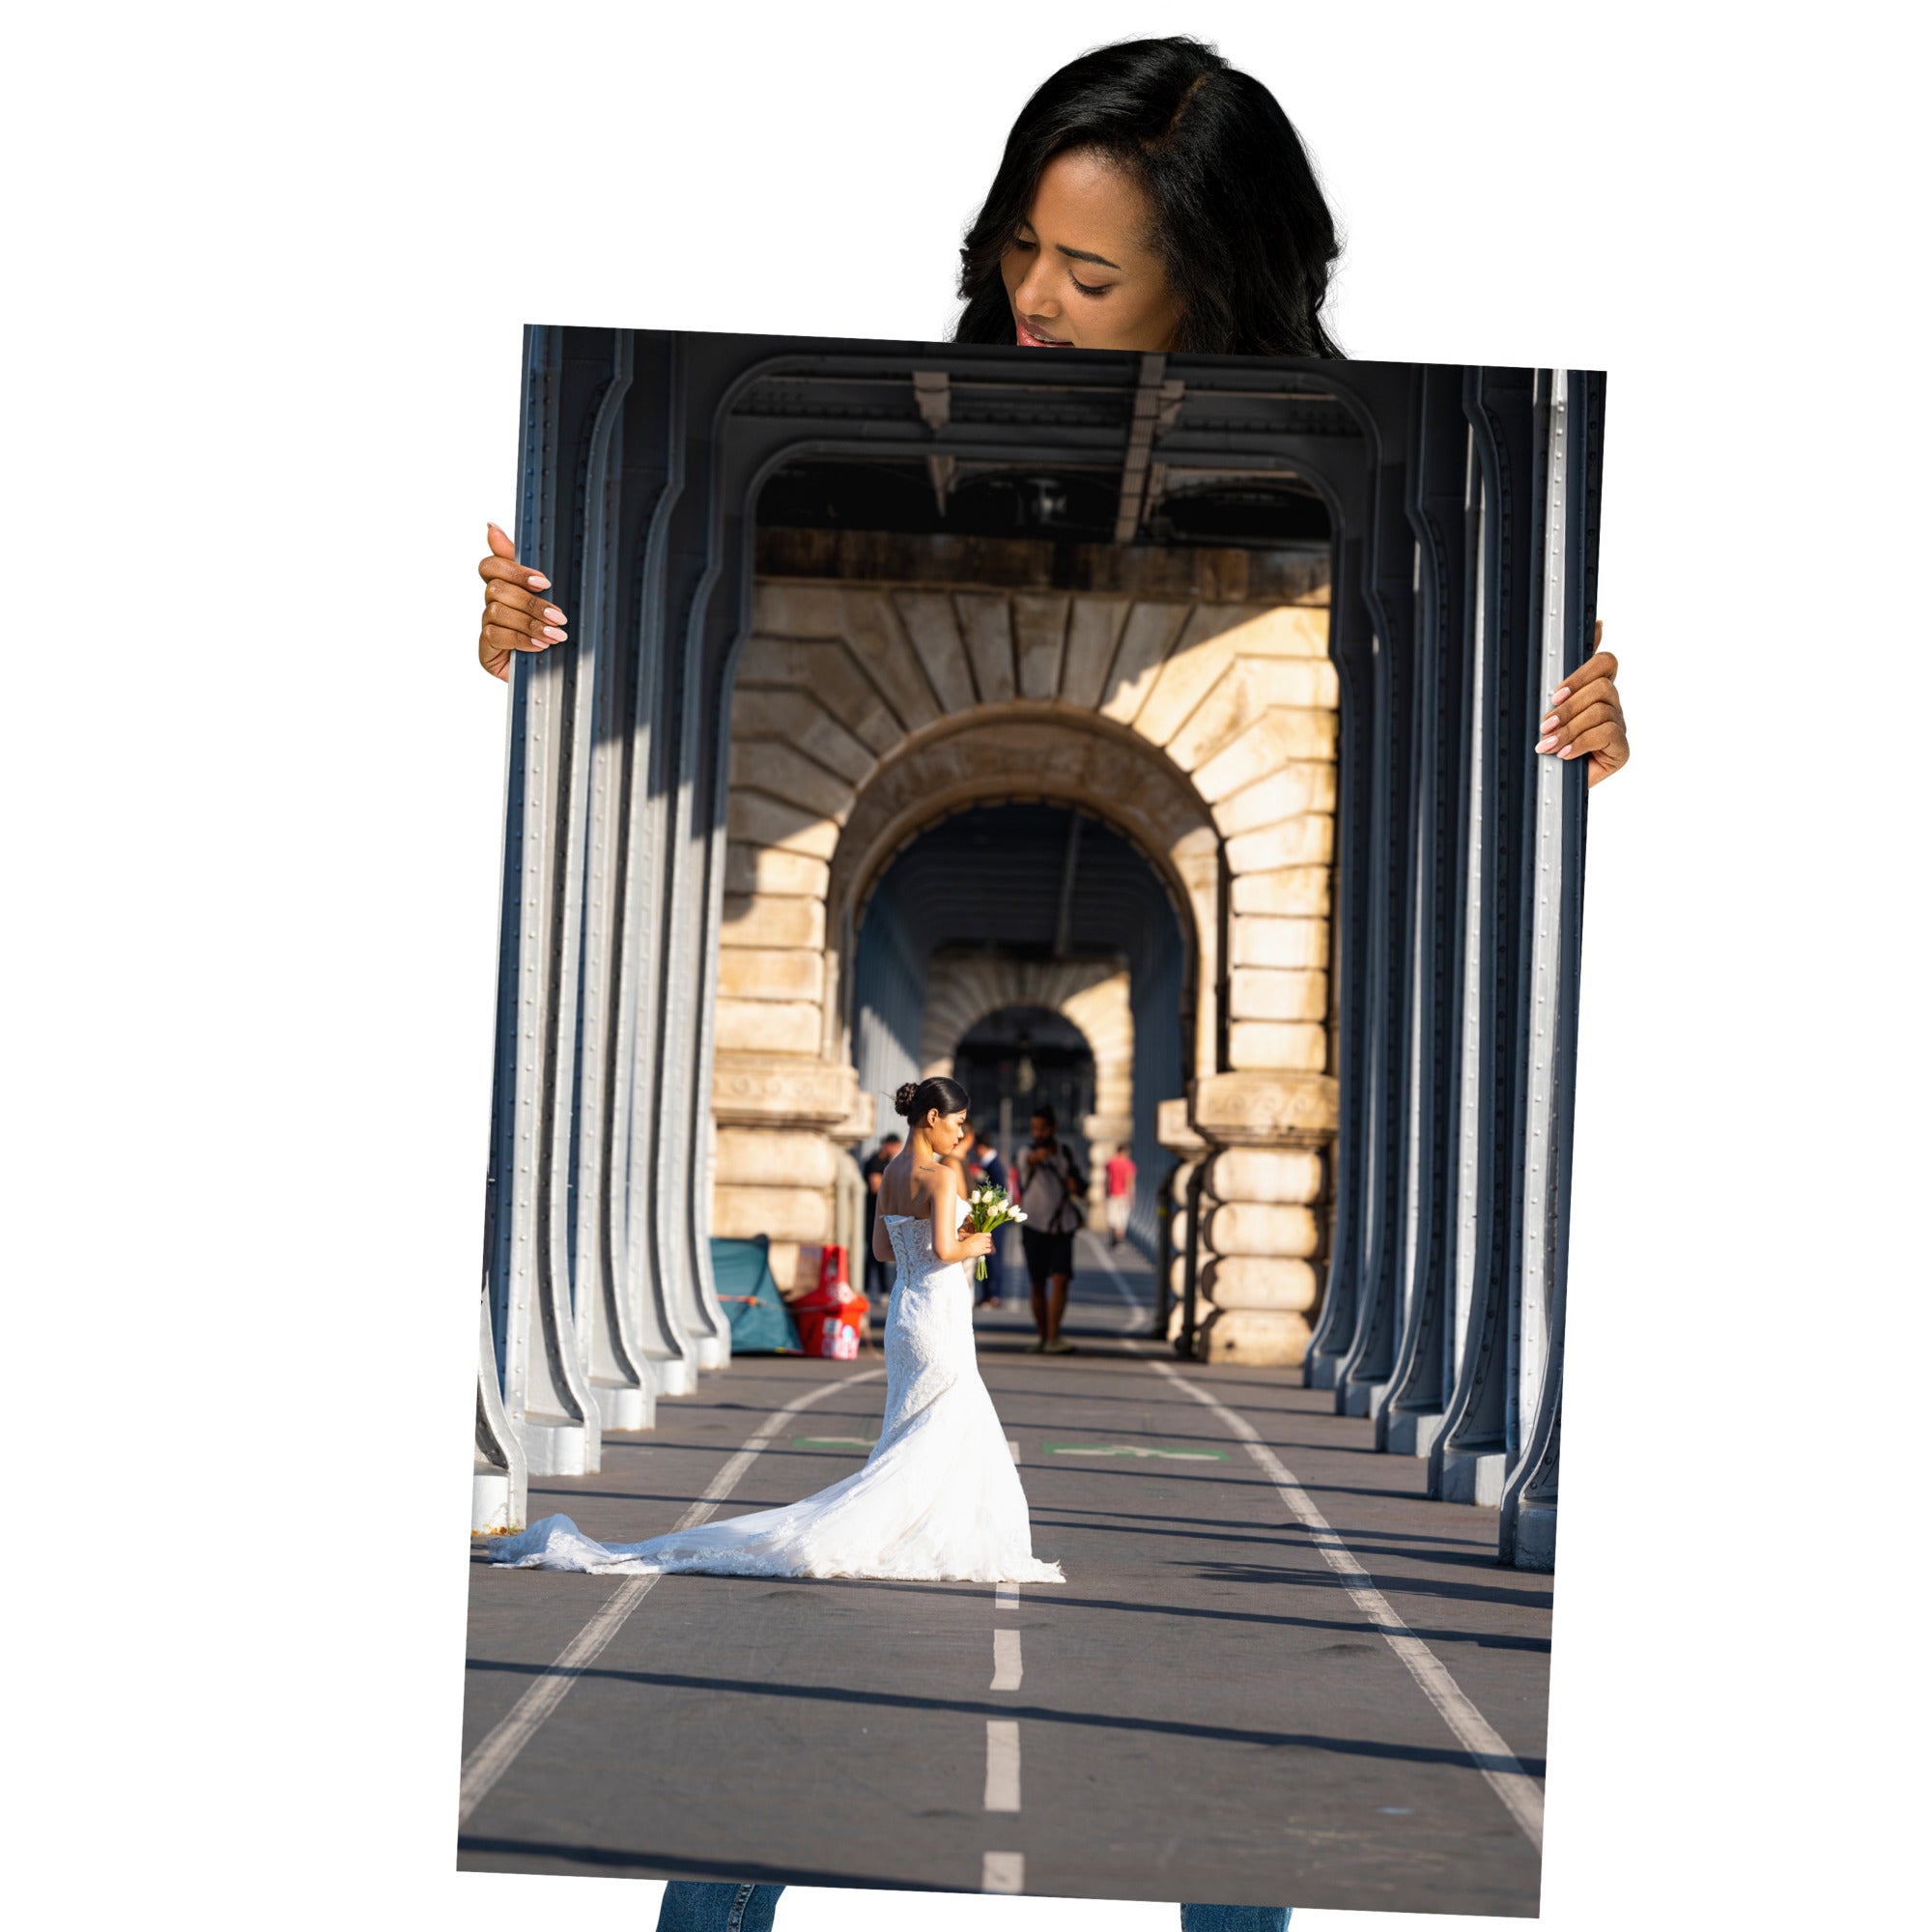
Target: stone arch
[(1023, 752), (1094, 996), (1205, 732)]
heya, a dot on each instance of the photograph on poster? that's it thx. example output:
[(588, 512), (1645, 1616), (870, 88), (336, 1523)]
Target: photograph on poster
[(1112, 782)]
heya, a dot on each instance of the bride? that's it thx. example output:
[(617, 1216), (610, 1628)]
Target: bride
[(939, 1498)]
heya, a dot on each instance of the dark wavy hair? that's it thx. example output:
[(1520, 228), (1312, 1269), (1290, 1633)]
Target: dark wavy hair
[(1241, 227), (936, 1095)]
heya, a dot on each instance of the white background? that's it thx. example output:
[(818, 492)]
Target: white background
[(270, 268)]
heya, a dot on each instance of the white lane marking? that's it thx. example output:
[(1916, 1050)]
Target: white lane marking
[(1518, 1791), (495, 1754), (1114, 1275), (1005, 1596), (1002, 1765), (1004, 1871), (1014, 1449), (1005, 1661)]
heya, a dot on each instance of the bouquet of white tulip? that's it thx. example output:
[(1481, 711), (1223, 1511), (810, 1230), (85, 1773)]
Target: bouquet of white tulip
[(988, 1208)]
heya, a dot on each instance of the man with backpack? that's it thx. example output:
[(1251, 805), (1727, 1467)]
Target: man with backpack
[(1051, 1190)]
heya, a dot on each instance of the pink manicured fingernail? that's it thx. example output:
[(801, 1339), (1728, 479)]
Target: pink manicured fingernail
[(539, 581), (1568, 752), (556, 616), (1561, 694), (1547, 744), (1551, 723), (556, 636)]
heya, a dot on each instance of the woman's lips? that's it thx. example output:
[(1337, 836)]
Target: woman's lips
[(1032, 338)]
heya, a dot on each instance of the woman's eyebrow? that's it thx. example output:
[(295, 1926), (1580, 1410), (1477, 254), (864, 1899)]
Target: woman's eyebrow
[(1088, 255)]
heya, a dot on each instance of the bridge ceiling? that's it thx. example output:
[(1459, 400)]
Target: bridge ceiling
[(992, 875)]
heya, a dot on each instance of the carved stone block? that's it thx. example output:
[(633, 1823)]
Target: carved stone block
[(1260, 1109), (1266, 1337), (756, 1090), (1294, 892), (769, 870), (759, 921), (1176, 1132), (1284, 793), (1263, 1281), (1277, 993), (768, 1026), (1291, 1046), (1259, 941), (785, 1213), (763, 1156), (760, 821), (1267, 1229), (1304, 840), (1290, 1176), (761, 972)]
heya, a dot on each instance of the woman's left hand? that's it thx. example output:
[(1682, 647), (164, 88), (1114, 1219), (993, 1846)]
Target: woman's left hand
[(1586, 716)]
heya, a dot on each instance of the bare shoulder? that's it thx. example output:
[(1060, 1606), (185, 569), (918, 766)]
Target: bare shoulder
[(934, 1184)]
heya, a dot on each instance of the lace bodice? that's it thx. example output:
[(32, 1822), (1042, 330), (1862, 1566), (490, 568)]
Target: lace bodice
[(911, 1236)]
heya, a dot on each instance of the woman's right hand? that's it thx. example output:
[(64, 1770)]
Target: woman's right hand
[(515, 618), (975, 1244)]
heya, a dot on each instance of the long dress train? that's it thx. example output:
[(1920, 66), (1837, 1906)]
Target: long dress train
[(938, 1500)]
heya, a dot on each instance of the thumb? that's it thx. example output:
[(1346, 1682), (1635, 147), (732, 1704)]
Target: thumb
[(500, 544)]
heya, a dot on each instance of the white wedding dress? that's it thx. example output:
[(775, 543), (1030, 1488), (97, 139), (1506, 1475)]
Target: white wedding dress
[(938, 1500)]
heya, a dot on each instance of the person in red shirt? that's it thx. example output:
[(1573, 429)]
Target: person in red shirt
[(1120, 1194)]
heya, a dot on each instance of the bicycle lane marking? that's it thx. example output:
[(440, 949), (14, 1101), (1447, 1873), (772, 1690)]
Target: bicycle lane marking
[(494, 1755), (1520, 1792)]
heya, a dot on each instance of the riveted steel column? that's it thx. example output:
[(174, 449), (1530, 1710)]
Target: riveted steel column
[(609, 1356), (546, 1396), (1469, 1457), (1351, 648), (1442, 513), (654, 478), (500, 1487), (1527, 1528), (1363, 1377)]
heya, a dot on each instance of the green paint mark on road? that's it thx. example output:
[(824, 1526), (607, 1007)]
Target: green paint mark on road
[(1141, 1449), (832, 1442)]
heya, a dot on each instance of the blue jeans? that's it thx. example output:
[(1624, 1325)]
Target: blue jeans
[(693, 1907)]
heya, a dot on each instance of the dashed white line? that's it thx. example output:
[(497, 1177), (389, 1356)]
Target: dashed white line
[(1004, 1871), (1005, 1596), (1013, 1449), (1005, 1661), (498, 1752), (1474, 1732), (1518, 1791), (1002, 1765)]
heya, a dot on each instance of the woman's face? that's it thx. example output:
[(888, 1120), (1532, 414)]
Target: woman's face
[(1080, 273), (945, 1132)]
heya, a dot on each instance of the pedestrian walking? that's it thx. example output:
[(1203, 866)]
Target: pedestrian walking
[(1051, 1188), (877, 1283), (985, 1169), (1121, 1172)]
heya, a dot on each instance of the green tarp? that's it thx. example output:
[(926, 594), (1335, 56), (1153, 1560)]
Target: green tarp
[(761, 1324)]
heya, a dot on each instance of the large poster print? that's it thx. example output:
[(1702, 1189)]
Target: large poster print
[(1021, 1339)]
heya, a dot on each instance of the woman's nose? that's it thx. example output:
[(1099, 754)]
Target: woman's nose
[(1033, 297)]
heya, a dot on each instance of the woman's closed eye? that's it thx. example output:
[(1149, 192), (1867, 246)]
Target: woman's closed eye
[(1020, 241)]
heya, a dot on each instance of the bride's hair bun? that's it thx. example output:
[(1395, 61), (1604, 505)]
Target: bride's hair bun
[(934, 1094)]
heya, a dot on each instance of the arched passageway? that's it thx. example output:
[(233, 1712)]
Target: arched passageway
[(1028, 906), (1194, 732)]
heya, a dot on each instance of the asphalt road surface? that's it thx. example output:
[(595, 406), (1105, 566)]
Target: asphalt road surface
[(1276, 1674)]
